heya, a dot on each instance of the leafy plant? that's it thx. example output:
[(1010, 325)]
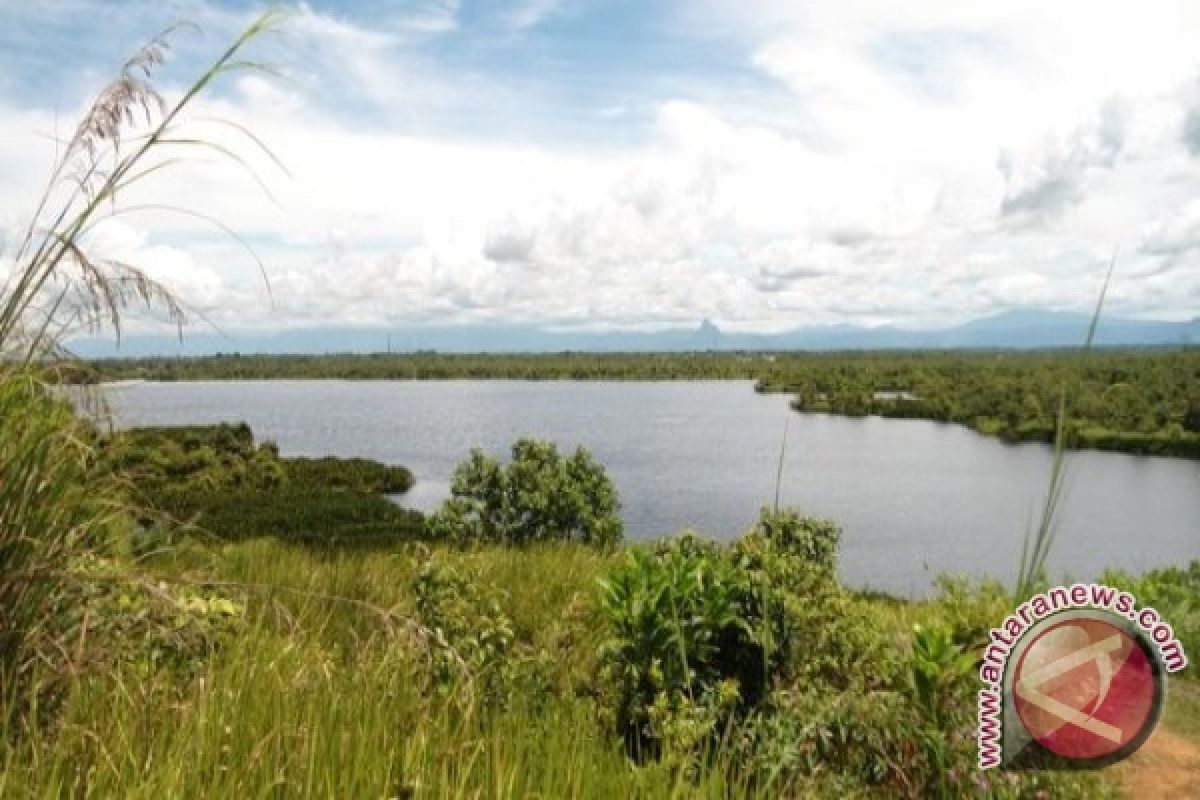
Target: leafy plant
[(538, 496), (938, 666), (1175, 593), (473, 637), (692, 620)]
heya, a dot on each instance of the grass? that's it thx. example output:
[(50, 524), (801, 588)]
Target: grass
[(318, 697), (1036, 546), (256, 668), (319, 687)]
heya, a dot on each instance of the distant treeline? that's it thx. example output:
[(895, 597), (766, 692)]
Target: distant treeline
[(1137, 401), (1128, 401)]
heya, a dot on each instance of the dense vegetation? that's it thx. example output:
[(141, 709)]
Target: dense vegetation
[(1127, 400), (538, 496), (140, 657), (217, 480), (521, 664), (1138, 402)]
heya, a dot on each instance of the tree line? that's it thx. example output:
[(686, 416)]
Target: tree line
[(1138, 401)]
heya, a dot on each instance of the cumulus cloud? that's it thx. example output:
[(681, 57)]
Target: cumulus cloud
[(1175, 235), (509, 245), (1055, 179), (864, 162)]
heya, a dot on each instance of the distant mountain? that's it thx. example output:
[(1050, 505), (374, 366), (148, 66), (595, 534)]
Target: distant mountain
[(1011, 329)]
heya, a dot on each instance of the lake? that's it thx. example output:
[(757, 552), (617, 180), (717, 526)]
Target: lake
[(915, 498)]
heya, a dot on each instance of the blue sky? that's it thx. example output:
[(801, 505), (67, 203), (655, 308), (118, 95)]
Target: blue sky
[(766, 165)]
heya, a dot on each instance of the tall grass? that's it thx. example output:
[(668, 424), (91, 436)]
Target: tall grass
[(52, 504), (1038, 542)]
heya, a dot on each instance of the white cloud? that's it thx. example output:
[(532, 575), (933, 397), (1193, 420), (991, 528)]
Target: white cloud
[(530, 13), (915, 163)]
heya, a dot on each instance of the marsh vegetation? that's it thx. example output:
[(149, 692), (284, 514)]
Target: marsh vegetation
[(187, 613)]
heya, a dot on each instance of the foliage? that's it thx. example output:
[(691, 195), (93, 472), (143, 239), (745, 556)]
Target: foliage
[(51, 507), (538, 496), (1137, 401), (55, 505), (938, 667), (1175, 593), (358, 474), (808, 540), (124, 618), (310, 515), (693, 621), (971, 609), (472, 636), (206, 458), (216, 479), (679, 630), (320, 686)]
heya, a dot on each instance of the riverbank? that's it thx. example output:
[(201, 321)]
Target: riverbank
[(259, 654), (1144, 402), (275, 669), (915, 498)]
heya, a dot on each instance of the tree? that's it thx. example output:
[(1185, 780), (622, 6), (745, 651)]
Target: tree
[(538, 496)]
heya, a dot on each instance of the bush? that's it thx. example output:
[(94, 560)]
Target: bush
[(208, 457), (126, 619), (217, 478), (53, 504), (679, 628), (472, 637), (539, 496), (694, 623)]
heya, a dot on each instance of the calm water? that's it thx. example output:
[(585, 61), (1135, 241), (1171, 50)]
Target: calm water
[(914, 497)]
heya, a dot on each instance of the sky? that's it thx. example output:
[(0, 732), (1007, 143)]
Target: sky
[(764, 164)]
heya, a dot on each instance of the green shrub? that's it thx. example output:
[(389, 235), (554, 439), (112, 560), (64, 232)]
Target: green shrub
[(472, 637), (538, 496), (217, 478), (125, 619), (679, 628), (813, 541), (207, 457), (692, 621), (53, 504), (971, 609)]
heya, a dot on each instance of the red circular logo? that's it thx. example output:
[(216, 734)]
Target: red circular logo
[(1085, 689)]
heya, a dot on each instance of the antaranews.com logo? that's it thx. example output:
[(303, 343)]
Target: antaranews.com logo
[(1076, 676)]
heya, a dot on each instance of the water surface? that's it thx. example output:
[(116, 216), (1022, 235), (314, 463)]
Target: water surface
[(915, 498)]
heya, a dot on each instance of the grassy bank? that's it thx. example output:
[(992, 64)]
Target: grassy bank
[(263, 654), (313, 679), (186, 613)]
